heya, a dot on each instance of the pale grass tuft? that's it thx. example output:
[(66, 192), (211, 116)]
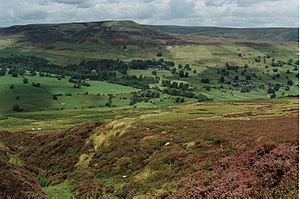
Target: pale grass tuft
[(100, 136)]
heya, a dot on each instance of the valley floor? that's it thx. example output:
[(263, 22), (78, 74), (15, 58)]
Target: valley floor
[(214, 149)]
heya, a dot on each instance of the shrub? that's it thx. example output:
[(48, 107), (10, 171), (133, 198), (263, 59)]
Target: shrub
[(290, 82), (273, 96), (17, 108), (205, 80), (25, 81)]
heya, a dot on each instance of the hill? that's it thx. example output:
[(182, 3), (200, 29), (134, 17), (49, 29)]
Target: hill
[(116, 109), (112, 32), (244, 154), (262, 34), (122, 63)]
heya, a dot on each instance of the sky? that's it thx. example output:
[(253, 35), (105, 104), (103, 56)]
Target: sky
[(226, 13)]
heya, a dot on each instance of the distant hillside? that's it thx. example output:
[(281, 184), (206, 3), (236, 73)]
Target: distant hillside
[(70, 43), (113, 32), (277, 34)]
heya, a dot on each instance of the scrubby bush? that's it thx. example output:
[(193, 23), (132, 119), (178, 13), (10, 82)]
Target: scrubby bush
[(17, 108)]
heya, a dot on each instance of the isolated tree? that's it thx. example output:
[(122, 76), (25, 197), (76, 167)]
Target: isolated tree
[(17, 108), (290, 82), (159, 54), (248, 77), (14, 74), (36, 84), (25, 81), (273, 95), (222, 79)]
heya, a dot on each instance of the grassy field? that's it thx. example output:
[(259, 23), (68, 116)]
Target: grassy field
[(217, 55), (36, 99), (50, 120)]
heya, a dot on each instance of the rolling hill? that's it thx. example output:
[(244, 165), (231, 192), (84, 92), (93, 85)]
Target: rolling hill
[(263, 34), (113, 32), (116, 109)]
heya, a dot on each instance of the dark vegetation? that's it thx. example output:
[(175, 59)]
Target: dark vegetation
[(207, 160), (118, 33)]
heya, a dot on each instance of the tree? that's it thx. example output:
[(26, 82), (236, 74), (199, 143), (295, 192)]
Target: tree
[(36, 84), (14, 74), (2, 71), (154, 72), (12, 86), (271, 90), (290, 82), (17, 108), (205, 80), (273, 96), (159, 54), (248, 77), (173, 71), (181, 74), (109, 103), (25, 81), (222, 79), (276, 87), (187, 67)]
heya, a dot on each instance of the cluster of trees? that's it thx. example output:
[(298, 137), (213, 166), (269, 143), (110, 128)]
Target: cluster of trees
[(176, 85), (145, 96), (179, 100), (182, 73), (2, 71), (114, 71), (78, 82), (146, 64)]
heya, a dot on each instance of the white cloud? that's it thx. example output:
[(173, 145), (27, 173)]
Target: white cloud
[(237, 13)]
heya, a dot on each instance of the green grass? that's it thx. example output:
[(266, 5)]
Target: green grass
[(6, 42), (48, 120), (36, 99), (59, 191)]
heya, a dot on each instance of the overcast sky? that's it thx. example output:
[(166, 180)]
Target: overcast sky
[(233, 13)]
